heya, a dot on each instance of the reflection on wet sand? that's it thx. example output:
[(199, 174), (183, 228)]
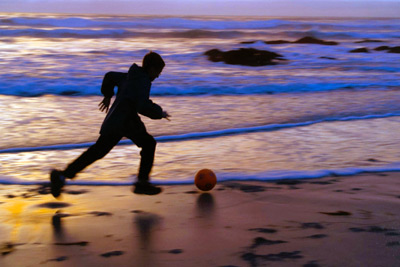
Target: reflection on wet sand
[(205, 205), (58, 229), (145, 224)]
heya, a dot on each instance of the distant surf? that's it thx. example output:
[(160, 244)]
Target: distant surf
[(68, 59)]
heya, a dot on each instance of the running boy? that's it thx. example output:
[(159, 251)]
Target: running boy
[(122, 120)]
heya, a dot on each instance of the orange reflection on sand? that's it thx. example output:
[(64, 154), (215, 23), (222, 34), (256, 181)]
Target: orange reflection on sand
[(29, 216)]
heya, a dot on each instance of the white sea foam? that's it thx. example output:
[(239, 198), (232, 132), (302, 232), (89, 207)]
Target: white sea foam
[(209, 134)]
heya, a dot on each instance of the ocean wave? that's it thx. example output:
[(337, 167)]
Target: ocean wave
[(35, 89), (208, 134), (66, 33), (217, 23), (119, 33), (61, 26), (143, 22), (341, 34), (191, 33)]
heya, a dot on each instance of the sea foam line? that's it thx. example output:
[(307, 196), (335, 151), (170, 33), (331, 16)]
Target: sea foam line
[(201, 135), (268, 176)]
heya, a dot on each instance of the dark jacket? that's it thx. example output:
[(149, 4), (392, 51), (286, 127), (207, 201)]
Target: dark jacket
[(132, 98)]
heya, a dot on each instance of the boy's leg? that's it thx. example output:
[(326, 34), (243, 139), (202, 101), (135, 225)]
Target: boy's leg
[(102, 146), (148, 145)]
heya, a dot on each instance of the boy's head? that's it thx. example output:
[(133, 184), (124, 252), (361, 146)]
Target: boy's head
[(153, 64)]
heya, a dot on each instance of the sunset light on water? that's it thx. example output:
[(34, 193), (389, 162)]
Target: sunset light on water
[(293, 105)]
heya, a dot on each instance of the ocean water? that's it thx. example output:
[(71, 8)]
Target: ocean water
[(320, 112)]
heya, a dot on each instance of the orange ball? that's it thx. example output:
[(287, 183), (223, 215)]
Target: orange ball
[(205, 180)]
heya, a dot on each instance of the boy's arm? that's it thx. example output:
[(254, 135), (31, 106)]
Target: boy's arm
[(152, 110), (144, 105), (149, 109), (110, 80), (105, 104)]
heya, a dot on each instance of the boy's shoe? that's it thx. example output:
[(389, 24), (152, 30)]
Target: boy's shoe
[(57, 180), (146, 188)]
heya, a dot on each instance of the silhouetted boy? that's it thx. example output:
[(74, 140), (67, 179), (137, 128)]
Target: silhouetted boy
[(123, 120)]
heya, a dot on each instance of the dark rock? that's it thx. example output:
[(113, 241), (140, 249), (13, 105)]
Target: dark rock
[(248, 42), (395, 49), (368, 41), (332, 58), (277, 42), (359, 50), (381, 48), (312, 40), (304, 40), (214, 55), (244, 56)]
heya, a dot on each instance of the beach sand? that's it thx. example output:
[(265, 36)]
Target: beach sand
[(334, 221)]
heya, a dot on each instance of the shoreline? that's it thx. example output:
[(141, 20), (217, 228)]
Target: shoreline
[(331, 221)]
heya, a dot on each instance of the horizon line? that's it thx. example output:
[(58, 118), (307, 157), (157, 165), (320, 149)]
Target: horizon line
[(199, 15)]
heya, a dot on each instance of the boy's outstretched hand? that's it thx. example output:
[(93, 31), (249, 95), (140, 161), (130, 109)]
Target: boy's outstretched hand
[(165, 115), (105, 104)]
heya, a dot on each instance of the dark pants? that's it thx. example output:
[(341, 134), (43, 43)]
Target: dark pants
[(105, 143)]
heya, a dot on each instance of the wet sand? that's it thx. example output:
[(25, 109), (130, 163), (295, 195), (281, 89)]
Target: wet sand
[(334, 221)]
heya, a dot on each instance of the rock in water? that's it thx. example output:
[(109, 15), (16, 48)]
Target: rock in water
[(312, 40), (360, 50), (395, 49), (304, 40), (244, 56), (381, 48)]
